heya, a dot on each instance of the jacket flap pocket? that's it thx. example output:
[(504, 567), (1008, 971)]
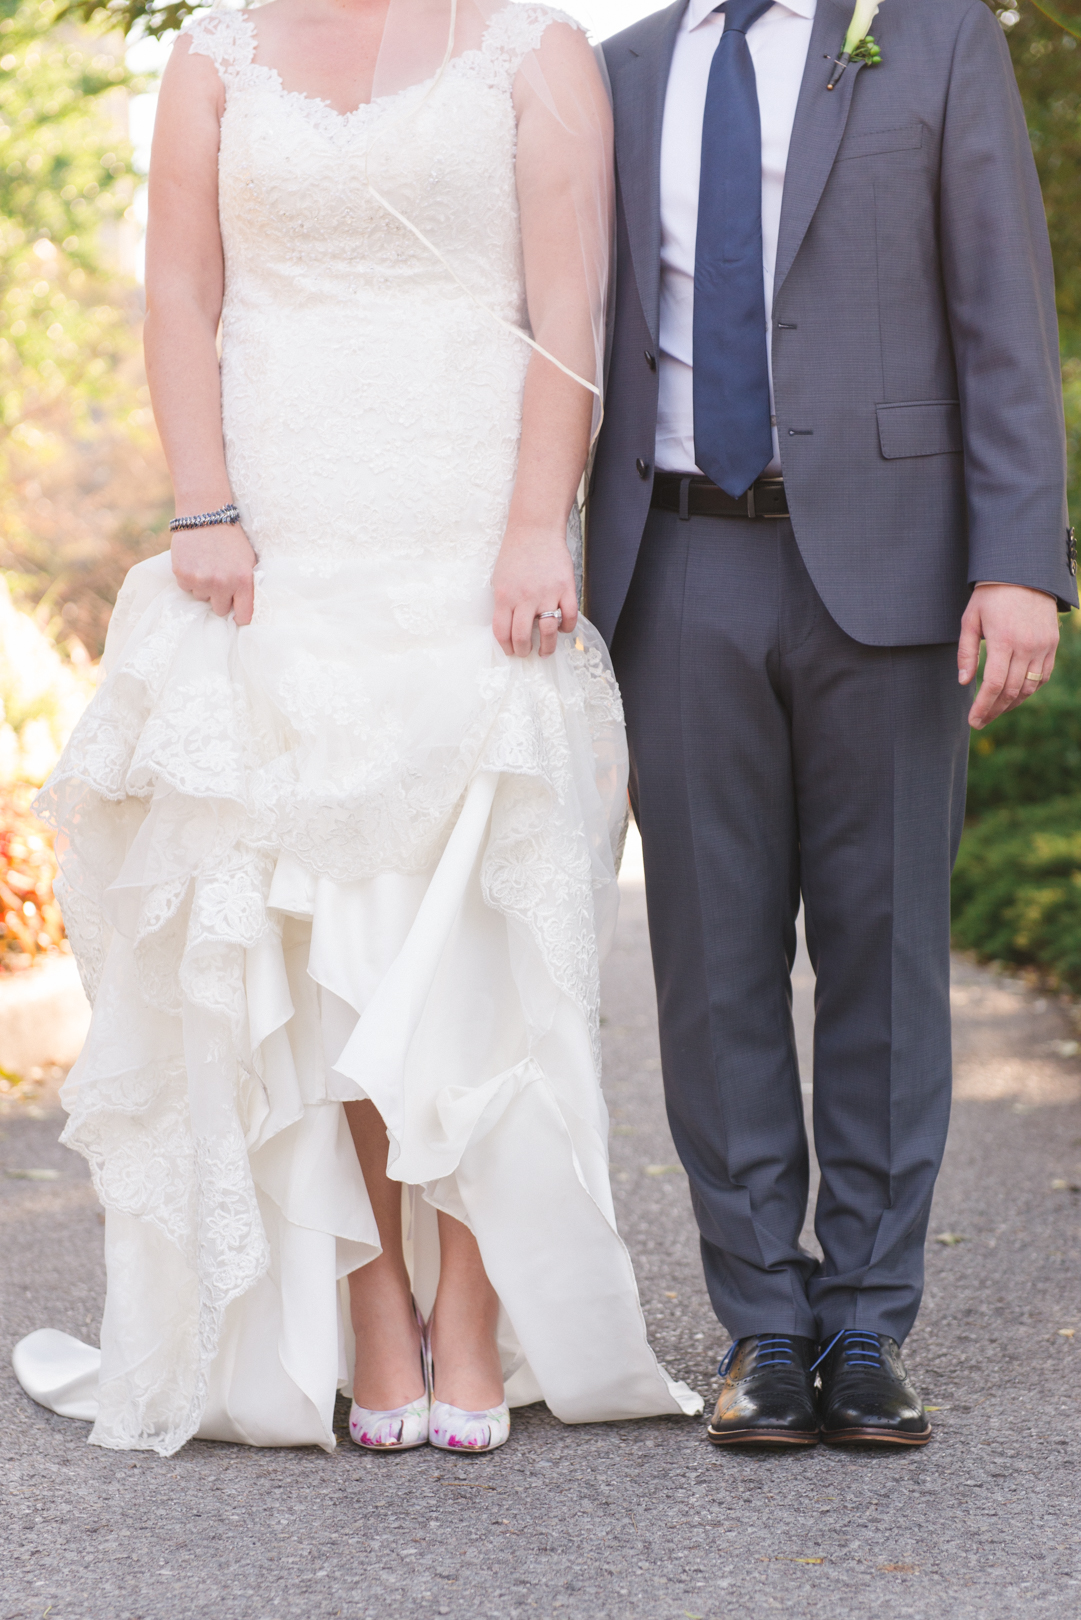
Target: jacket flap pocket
[(874, 141), (927, 427)]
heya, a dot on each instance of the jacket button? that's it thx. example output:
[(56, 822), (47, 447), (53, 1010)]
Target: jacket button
[(651, 360), (643, 468)]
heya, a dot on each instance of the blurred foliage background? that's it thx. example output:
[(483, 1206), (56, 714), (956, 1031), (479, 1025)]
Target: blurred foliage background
[(84, 491)]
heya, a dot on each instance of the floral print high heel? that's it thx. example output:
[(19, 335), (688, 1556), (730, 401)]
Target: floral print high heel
[(403, 1427), (452, 1429)]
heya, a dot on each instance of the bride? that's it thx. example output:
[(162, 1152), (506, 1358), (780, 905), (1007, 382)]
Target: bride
[(337, 834)]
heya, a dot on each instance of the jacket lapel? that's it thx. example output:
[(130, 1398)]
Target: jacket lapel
[(821, 116), (639, 80)]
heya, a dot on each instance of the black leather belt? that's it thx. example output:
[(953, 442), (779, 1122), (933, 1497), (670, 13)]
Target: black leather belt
[(699, 496)]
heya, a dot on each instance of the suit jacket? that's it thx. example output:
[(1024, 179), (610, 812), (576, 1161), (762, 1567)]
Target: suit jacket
[(915, 344)]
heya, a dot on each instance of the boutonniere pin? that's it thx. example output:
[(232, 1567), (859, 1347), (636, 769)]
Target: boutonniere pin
[(859, 43)]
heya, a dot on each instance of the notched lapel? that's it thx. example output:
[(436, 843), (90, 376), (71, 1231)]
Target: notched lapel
[(639, 83), (821, 116)]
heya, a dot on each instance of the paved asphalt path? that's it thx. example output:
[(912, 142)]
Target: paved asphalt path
[(625, 1519)]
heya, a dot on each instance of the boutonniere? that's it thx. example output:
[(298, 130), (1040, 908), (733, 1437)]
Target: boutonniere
[(859, 43)]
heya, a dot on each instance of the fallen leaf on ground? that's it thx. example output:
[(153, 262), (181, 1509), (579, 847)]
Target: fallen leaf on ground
[(1064, 1186), (33, 1175), (808, 1560), (1066, 1333), (671, 1296), (949, 1238), (664, 1170), (936, 1408), (897, 1569)]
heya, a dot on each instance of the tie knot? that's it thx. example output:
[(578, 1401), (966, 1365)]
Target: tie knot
[(740, 14)]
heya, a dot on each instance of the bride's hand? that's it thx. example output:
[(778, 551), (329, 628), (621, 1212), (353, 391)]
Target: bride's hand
[(216, 565), (533, 574)]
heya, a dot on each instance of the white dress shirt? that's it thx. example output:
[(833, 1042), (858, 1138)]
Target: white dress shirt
[(778, 44)]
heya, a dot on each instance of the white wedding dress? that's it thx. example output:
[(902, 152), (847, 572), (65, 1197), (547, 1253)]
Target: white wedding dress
[(351, 850)]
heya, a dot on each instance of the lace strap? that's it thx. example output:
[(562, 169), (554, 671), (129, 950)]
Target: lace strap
[(227, 37), (518, 29)]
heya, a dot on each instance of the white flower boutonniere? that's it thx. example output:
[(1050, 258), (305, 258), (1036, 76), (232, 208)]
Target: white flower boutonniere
[(859, 43)]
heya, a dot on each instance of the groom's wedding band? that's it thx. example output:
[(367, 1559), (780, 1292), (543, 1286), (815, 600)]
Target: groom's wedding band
[(552, 613), (1034, 675)]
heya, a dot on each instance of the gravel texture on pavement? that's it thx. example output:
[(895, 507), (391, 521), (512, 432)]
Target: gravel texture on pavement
[(613, 1520)]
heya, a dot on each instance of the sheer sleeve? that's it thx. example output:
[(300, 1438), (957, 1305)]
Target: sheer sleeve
[(564, 175), (563, 161)]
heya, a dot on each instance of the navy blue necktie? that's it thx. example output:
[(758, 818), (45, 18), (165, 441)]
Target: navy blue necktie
[(733, 440)]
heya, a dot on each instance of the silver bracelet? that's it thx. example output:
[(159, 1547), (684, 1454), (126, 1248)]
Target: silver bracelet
[(204, 520)]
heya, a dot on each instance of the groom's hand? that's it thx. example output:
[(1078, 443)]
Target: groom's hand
[(1020, 627)]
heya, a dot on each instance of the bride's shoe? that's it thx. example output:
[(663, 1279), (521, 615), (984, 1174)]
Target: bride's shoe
[(451, 1429), (403, 1427)]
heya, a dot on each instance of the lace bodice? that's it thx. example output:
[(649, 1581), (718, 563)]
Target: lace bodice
[(334, 305), (281, 150)]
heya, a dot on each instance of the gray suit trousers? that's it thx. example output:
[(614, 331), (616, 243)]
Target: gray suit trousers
[(772, 757)]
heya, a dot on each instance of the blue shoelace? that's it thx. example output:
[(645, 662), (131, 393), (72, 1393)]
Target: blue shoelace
[(774, 1350), (861, 1349)]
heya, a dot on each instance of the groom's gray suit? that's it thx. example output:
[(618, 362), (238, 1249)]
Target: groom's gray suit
[(795, 719)]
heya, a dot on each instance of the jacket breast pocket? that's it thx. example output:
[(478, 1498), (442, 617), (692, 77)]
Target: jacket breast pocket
[(873, 142), (923, 427)]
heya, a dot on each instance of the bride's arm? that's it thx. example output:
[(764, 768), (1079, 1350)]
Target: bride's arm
[(534, 572), (563, 177), (184, 286)]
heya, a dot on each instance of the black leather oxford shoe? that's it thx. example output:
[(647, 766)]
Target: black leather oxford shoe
[(867, 1398), (767, 1398)]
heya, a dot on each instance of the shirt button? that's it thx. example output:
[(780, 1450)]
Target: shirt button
[(651, 360), (643, 468)]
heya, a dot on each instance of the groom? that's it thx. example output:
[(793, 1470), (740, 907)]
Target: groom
[(832, 462)]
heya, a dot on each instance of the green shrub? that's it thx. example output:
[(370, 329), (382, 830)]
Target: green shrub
[(1034, 753), (1017, 888)]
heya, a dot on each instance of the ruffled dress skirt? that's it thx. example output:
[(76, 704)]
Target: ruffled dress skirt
[(335, 856)]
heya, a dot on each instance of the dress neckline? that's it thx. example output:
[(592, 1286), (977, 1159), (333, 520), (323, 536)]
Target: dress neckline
[(246, 21), (321, 101)]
